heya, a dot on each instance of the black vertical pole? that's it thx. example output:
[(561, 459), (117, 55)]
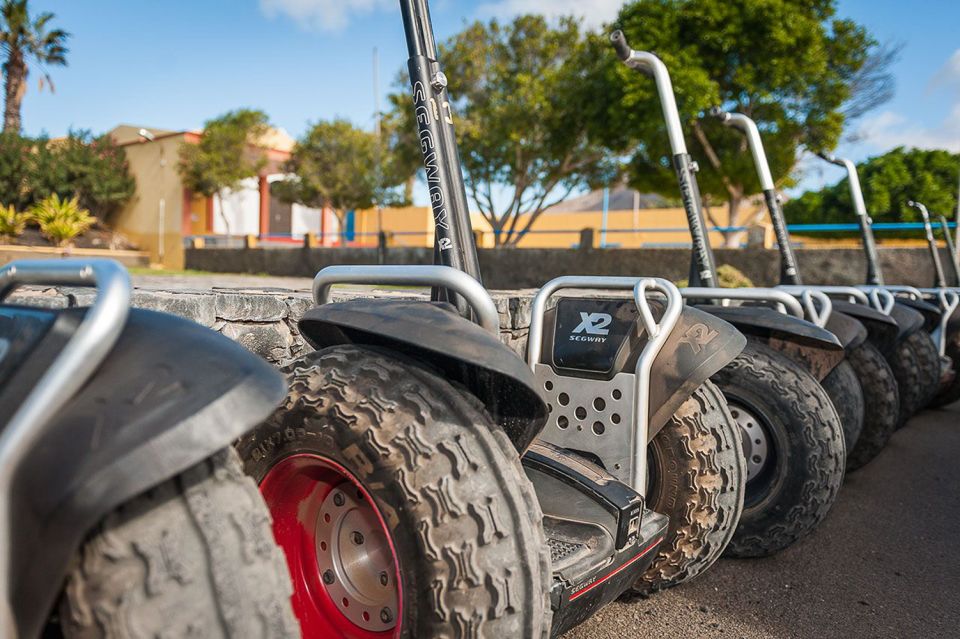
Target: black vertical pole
[(789, 272), (453, 243)]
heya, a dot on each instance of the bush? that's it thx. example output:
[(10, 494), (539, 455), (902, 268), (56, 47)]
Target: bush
[(61, 220), (12, 221), (727, 277)]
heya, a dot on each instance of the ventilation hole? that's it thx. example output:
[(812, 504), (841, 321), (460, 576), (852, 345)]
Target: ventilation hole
[(615, 418), (366, 616), (549, 408), (564, 399), (346, 602), (562, 421), (757, 459), (326, 517), (617, 394), (548, 385), (735, 414), (323, 546), (599, 404), (598, 428), (581, 412)]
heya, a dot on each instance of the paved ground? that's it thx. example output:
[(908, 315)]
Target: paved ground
[(884, 563)]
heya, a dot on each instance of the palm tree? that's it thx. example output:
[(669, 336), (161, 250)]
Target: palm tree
[(23, 40)]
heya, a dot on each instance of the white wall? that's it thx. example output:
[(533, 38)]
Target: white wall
[(242, 208)]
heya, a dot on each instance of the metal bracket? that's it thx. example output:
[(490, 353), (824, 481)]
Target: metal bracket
[(413, 275), (816, 302), (949, 299), (658, 333), (882, 297), (88, 347)]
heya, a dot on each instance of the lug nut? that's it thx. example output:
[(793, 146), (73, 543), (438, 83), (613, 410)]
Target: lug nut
[(386, 615), (357, 538), (338, 499), (439, 81), (328, 577), (384, 578)]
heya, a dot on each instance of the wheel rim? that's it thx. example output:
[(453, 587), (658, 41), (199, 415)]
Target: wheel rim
[(757, 448), (342, 561)]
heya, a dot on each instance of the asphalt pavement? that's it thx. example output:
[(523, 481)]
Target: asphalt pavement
[(883, 564)]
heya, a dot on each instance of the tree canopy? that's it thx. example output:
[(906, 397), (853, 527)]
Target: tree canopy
[(888, 181), (519, 92), (340, 166), (791, 66), (26, 41), (226, 154)]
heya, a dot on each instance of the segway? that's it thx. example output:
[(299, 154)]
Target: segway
[(793, 436), (916, 362), (121, 495), (393, 469), (868, 341), (951, 394)]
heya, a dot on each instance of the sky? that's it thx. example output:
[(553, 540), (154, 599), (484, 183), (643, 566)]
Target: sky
[(176, 63)]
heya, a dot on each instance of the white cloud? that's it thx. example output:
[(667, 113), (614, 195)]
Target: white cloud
[(949, 74), (322, 15), (594, 13), (888, 129)]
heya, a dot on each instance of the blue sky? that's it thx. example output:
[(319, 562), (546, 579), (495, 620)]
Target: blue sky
[(176, 63)]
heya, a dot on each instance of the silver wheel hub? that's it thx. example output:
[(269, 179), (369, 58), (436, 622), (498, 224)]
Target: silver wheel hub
[(355, 560), (756, 443)]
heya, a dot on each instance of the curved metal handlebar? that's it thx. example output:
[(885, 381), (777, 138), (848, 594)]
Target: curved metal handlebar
[(749, 128), (658, 333), (852, 293), (653, 66), (92, 341), (786, 304), (882, 297), (413, 275), (856, 193)]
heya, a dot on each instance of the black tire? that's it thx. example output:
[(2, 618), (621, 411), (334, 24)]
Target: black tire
[(951, 393), (928, 361), (881, 401), (193, 557), (906, 370), (798, 482), (464, 519), (843, 387), (697, 476)]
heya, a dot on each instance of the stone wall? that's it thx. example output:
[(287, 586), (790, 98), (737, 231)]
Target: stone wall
[(529, 268)]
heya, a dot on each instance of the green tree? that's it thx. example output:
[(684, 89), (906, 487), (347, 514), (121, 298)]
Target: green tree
[(793, 67), (226, 154), (889, 181), (520, 92), (26, 40), (335, 165), (16, 154), (90, 168)]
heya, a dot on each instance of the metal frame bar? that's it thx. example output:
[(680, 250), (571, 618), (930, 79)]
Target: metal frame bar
[(445, 277), (658, 333), (949, 299), (951, 249), (939, 274), (88, 347), (785, 303)]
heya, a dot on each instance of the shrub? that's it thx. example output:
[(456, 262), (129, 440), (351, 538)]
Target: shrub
[(61, 220), (12, 221), (727, 277)]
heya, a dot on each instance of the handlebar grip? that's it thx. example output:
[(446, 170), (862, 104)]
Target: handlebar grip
[(620, 45)]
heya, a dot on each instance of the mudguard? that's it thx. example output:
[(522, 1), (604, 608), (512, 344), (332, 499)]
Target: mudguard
[(434, 333), (699, 346), (170, 394), (908, 318), (882, 330), (931, 312), (813, 347), (849, 331)]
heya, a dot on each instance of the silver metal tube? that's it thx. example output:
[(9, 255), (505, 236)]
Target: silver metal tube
[(939, 274), (658, 333), (749, 128), (883, 299), (413, 275), (90, 344), (856, 193), (653, 66), (785, 303), (851, 293)]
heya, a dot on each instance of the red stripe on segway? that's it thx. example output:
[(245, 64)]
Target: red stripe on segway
[(614, 572)]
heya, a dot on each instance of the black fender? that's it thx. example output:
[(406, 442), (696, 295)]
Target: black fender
[(850, 332), (931, 313), (908, 318), (462, 351), (170, 394), (882, 330), (815, 348), (699, 346)]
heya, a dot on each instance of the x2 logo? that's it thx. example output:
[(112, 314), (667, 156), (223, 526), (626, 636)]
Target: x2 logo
[(698, 336), (592, 324)]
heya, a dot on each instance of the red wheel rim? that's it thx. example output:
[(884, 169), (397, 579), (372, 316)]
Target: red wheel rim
[(342, 561)]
